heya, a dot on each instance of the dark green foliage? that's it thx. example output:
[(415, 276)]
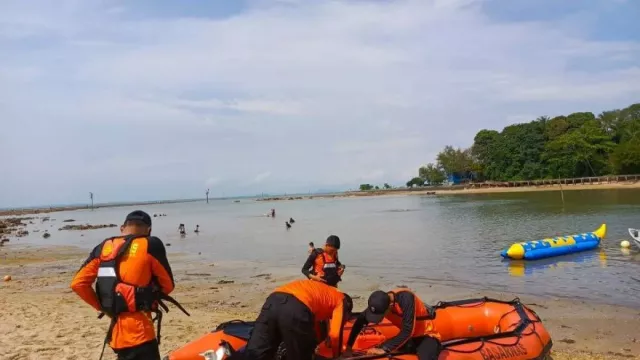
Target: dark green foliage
[(432, 174), (365, 187), (578, 145)]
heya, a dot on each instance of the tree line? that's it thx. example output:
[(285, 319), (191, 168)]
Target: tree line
[(577, 145)]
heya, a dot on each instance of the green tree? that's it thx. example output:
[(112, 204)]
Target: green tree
[(366, 187), (386, 186), (626, 158), (581, 152), (455, 161), (431, 174), (417, 181)]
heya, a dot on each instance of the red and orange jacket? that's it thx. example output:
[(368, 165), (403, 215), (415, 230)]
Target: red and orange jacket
[(144, 262)]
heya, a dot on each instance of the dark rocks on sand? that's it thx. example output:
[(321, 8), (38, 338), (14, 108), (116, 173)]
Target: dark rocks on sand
[(46, 235), (68, 220), (86, 227), (225, 282)]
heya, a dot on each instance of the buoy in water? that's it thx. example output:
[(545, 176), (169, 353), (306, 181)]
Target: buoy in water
[(625, 244)]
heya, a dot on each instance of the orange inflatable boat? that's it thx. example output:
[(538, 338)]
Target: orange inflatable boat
[(472, 329)]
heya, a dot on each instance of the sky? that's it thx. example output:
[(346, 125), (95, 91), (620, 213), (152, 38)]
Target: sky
[(160, 99)]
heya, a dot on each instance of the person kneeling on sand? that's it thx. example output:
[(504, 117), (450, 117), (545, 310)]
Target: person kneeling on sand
[(405, 310), (323, 264), (290, 315), (133, 277)]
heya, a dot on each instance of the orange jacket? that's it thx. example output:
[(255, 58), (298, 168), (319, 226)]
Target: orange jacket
[(409, 314), (146, 260), (322, 264), (325, 302)]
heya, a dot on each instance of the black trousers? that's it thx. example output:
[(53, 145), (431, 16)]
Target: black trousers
[(146, 351), (427, 348), (283, 318)]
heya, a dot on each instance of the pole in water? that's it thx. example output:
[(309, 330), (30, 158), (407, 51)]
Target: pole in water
[(561, 193), (207, 196)]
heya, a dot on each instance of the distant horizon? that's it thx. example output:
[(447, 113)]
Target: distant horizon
[(177, 200)]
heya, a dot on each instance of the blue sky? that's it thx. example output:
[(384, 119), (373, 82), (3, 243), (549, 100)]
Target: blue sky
[(140, 100)]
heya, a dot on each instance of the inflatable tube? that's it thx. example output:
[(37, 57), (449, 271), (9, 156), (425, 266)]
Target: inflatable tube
[(556, 246), (470, 329)]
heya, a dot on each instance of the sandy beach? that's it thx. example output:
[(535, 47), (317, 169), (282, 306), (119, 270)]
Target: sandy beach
[(42, 318)]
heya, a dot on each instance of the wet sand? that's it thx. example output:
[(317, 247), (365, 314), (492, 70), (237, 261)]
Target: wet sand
[(42, 318)]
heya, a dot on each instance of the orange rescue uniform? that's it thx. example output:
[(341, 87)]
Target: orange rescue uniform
[(290, 314), (144, 263)]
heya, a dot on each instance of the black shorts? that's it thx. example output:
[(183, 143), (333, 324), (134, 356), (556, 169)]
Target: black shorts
[(283, 318), (146, 351)]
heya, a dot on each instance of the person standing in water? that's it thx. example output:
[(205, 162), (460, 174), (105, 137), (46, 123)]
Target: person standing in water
[(181, 229), (197, 230), (323, 264), (273, 212)]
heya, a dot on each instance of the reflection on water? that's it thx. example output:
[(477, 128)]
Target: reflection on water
[(450, 240), (520, 268)]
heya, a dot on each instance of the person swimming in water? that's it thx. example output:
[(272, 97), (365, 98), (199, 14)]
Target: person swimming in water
[(291, 221)]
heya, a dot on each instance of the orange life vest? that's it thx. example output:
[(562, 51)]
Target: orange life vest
[(423, 323), (326, 267)]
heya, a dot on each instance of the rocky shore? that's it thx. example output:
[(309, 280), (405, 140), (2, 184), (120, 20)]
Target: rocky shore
[(86, 227)]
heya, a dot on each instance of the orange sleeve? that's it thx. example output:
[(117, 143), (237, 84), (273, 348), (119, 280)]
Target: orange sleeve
[(340, 315), (160, 265), (85, 277)]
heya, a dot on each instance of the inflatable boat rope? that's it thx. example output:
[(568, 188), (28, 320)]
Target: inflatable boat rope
[(518, 331)]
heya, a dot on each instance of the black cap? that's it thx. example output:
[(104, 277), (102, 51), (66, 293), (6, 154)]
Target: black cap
[(377, 306), (333, 241), (139, 215)]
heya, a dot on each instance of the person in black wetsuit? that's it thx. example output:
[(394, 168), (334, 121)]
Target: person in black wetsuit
[(405, 310), (323, 264)]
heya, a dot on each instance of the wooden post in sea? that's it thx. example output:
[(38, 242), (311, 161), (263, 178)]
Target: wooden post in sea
[(207, 196), (91, 196), (561, 192)]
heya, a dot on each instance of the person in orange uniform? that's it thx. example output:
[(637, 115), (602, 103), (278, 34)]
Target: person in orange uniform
[(290, 314), (133, 276), (405, 310), (323, 264)]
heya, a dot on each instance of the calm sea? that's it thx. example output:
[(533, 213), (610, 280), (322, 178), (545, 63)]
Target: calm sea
[(448, 240)]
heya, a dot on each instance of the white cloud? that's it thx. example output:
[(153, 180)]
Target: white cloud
[(319, 93), (212, 181), (261, 177)]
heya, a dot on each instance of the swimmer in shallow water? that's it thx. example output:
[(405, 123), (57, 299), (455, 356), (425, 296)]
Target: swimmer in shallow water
[(291, 221), (197, 230), (181, 229), (287, 225)]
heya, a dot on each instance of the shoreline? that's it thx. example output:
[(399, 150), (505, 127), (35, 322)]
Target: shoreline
[(431, 191), (213, 293)]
